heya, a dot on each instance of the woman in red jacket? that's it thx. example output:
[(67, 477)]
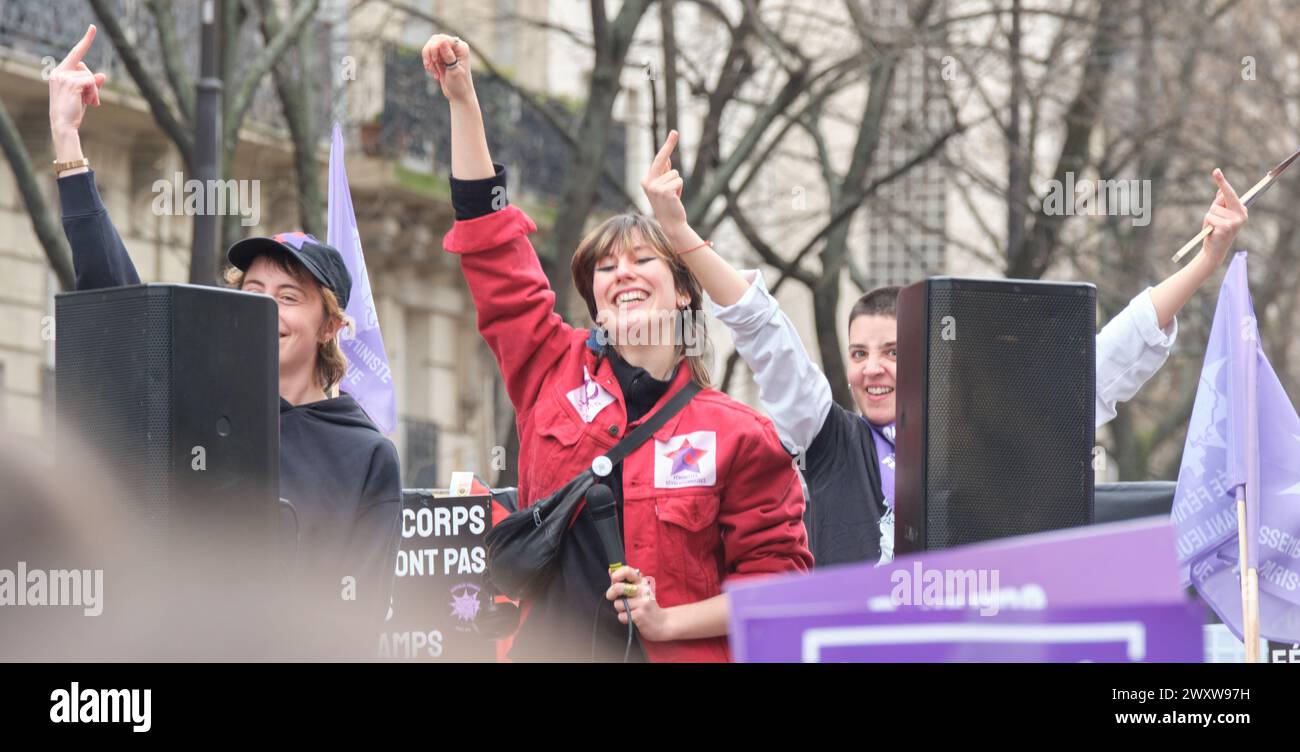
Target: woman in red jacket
[(711, 498)]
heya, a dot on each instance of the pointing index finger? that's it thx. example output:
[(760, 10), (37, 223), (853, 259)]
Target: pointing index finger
[(664, 157), (79, 51)]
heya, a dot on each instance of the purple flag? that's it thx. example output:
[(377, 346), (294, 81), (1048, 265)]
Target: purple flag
[(1243, 353), (1244, 432), (368, 379)]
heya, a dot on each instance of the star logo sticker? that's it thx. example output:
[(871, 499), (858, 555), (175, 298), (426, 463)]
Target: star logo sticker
[(686, 457), (464, 602)]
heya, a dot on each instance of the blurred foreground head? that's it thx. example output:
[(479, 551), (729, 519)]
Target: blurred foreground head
[(85, 577)]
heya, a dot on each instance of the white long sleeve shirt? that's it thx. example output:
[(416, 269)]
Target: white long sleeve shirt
[(797, 395)]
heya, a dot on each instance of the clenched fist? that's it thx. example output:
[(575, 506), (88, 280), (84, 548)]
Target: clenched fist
[(447, 58)]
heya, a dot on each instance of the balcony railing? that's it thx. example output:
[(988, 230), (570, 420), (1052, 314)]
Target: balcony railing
[(49, 28), (415, 125)]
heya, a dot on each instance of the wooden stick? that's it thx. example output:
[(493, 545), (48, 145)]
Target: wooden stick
[(1249, 586), (1251, 628), (1205, 231), (1241, 568)]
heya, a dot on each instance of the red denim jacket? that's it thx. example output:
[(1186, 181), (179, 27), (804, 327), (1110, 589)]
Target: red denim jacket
[(713, 497)]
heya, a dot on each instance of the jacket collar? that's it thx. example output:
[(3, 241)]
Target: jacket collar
[(680, 379), (603, 373)]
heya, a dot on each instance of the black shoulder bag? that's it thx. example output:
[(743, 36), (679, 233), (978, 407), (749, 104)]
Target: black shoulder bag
[(522, 550)]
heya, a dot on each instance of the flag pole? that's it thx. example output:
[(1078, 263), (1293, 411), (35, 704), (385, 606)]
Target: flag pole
[(1249, 585)]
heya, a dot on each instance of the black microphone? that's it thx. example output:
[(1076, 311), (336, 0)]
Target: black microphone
[(600, 502)]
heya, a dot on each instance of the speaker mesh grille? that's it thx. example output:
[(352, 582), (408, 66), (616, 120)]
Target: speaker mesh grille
[(113, 384), (1010, 427)]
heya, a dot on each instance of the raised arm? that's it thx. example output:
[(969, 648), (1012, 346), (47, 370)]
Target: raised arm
[(447, 58), (1227, 215), (515, 304), (98, 255), (794, 392), (1133, 345)]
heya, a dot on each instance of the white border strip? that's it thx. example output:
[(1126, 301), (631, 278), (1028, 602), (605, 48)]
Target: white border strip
[(1131, 633)]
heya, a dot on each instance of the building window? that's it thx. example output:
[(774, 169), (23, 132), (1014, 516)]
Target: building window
[(421, 469)]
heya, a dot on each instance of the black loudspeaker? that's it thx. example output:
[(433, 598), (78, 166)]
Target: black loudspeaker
[(176, 388), (996, 395), (1133, 500)]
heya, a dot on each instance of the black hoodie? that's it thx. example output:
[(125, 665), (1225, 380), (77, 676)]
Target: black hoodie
[(341, 475), (343, 479)]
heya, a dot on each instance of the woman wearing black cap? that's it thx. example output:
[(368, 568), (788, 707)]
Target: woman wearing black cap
[(339, 472)]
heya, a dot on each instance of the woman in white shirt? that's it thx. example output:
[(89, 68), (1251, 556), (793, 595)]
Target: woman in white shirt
[(848, 458)]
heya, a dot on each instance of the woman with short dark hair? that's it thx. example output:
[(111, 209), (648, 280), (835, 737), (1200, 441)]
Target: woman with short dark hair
[(711, 498)]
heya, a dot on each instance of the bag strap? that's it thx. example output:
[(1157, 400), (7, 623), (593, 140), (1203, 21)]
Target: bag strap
[(644, 431)]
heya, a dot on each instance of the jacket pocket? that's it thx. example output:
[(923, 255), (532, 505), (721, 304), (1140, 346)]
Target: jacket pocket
[(551, 447), (689, 547)]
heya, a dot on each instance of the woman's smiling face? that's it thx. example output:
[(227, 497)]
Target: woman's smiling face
[(873, 359), (300, 308), (631, 285)]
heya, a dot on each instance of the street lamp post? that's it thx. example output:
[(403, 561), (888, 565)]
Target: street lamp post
[(207, 143)]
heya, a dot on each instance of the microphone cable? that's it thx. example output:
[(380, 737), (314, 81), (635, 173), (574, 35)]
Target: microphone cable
[(595, 626)]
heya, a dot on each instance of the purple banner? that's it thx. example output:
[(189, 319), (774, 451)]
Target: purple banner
[(1102, 593), (368, 378)]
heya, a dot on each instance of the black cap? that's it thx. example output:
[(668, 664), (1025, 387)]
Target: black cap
[(323, 261)]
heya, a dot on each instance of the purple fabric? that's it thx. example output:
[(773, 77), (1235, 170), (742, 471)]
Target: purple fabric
[(1244, 432), (1239, 337), (369, 379), (884, 438), (1117, 585)]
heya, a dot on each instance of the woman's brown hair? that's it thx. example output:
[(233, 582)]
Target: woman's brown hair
[(331, 363), (628, 230)]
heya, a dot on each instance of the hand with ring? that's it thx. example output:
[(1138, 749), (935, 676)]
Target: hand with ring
[(447, 59), (651, 621)]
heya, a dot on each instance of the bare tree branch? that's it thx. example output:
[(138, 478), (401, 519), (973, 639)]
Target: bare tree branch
[(1033, 257), (149, 87), (293, 86), (670, 64), (173, 63), (240, 96), (46, 227), (700, 202), (563, 129), (755, 240)]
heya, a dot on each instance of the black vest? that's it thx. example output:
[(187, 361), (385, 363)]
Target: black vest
[(846, 502)]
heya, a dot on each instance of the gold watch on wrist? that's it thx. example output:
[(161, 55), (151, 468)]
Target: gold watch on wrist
[(71, 165)]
